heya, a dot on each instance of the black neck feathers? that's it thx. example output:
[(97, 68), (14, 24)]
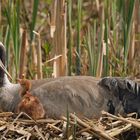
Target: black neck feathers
[(2, 58)]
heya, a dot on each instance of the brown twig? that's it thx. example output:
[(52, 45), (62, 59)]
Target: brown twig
[(118, 130), (54, 127), (12, 124), (39, 133), (42, 121), (6, 114), (65, 119), (95, 129), (136, 124)]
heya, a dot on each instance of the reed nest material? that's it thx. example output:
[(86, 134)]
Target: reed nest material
[(108, 127)]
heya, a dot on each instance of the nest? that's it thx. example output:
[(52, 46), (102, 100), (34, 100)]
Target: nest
[(108, 127)]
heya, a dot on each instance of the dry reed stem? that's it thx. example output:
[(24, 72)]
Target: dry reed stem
[(136, 124), (53, 18), (39, 133), (100, 60), (39, 57), (95, 129), (23, 54), (116, 123), (0, 11), (85, 128), (54, 127), (10, 127), (53, 59), (132, 45), (117, 131), (30, 122), (34, 60), (6, 114), (59, 40)]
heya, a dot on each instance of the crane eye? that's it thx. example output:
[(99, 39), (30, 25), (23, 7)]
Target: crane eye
[(132, 87), (129, 87)]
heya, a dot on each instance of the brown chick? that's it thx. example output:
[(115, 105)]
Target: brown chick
[(29, 104), (25, 85)]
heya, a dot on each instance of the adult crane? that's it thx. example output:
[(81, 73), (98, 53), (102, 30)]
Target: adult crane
[(84, 95)]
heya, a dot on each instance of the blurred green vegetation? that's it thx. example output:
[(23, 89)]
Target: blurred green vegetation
[(102, 36)]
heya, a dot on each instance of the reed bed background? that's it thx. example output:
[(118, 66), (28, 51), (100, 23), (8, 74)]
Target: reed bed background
[(51, 38)]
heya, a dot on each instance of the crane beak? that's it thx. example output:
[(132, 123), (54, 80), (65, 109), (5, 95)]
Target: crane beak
[(4, 69)]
